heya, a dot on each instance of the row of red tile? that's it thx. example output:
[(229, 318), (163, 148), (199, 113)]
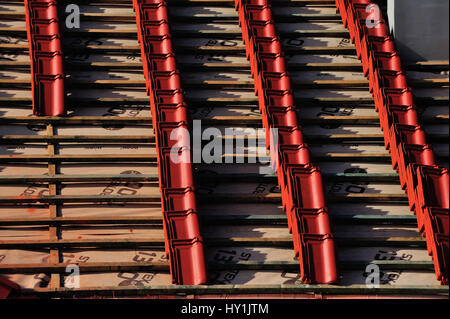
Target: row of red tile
[(170, 116), (47, 75), (8, 288), (300, 182), (426, 183)]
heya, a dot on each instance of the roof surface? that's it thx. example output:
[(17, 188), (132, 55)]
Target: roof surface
[(95, 170)]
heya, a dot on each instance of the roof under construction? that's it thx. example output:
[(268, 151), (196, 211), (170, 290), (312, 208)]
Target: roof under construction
[(248, 148)]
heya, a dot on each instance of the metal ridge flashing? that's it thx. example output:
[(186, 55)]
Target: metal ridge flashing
[(300, 182), (183, 242), (44, 40), (426, 183)]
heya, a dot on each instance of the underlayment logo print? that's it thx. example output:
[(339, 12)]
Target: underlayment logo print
[(123, 188), (227, 145), (124, 110)]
